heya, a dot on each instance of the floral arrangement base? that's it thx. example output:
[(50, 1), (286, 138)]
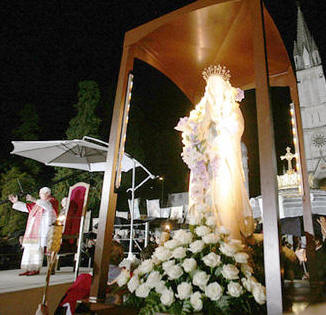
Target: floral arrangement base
[(199, 270)]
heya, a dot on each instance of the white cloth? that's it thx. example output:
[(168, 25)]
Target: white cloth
[(48, 217), (32, 259)]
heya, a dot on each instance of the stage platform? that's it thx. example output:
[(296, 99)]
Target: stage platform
[(20, 295)]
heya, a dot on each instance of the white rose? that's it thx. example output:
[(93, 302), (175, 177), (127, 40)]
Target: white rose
[(223, 230), (153, 278), (167, 297), (214, 291), (253, 282), (145, 267), (211, 238), (155, 260), (202, 230), (230, 272), (246, 270), (196, 302), (174, 272), (211, 221), (234, 289), (227, 249), (200, 279), (196, 246), (189, 265), (171, 244), (183, 237), (259, 293), (160, 287), (195, 219), (142, 291), (123, 277), (133, 284), (167, 264), (179, 253), (246, 284), (237, 245), (212, 260), (184, 290), (162, 253), (241, 257)]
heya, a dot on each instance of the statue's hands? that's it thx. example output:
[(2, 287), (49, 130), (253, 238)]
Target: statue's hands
[(13, 198), (30, 198)]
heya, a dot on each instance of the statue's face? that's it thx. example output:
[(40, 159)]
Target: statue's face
[(217, 87)]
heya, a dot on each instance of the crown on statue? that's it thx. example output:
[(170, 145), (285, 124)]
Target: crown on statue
[(216, 70)]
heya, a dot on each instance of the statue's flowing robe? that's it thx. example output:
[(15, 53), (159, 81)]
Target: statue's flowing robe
[(221, 129), (42, 214)]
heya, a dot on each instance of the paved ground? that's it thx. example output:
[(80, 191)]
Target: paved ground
[(10, 281)]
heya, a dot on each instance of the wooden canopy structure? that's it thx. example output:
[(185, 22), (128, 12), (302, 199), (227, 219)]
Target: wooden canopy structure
[(182, 43), (241, 35)]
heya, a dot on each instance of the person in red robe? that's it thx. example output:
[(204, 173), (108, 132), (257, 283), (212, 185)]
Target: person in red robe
[(41, 214)]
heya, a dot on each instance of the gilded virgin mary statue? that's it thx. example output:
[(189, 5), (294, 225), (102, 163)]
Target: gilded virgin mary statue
[(212, 150)]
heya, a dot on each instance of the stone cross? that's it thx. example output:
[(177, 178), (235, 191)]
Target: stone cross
[(288, 156)]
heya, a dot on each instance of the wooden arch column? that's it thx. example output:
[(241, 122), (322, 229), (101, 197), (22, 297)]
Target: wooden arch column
[(109, 197), (267, 160)]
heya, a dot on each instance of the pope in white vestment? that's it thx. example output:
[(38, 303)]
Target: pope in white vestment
[(42, 213)]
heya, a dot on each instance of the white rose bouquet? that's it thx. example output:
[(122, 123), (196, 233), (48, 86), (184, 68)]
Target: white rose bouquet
[(200, 270)]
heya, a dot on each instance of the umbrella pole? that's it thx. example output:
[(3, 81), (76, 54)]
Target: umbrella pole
[(80, 240), (130, 254)]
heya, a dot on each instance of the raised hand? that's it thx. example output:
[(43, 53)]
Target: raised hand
[(30, 198), (13, 198)]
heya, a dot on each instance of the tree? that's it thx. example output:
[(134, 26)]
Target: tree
[(21, 171), (11, 220), (28, 130), (85, 123)]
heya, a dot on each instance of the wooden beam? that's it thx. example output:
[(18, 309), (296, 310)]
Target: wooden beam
[(109, 198), (267, 158)]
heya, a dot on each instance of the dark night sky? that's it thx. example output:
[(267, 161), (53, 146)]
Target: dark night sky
[(47, 47)]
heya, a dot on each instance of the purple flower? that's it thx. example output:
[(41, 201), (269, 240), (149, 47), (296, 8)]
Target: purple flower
[(215, 166), (199, 168), (197, 192), (240, 95)]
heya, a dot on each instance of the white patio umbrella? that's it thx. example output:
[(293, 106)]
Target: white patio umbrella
[(87, 154)]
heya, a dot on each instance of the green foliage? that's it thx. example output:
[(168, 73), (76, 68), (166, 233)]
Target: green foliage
[(12, 220), (25, 170), (61, 189), (28, 130), (85, 123), (133, 301)]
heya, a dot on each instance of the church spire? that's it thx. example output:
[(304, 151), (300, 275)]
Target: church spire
[(305, 50)]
